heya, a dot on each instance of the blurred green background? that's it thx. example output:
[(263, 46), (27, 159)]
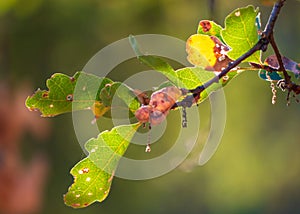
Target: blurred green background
[(257, 166)]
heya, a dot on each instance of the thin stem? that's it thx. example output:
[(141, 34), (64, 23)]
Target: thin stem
[(279, 59), (273, 17)]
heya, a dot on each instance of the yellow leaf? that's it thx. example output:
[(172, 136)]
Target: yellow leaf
[(207, 52)]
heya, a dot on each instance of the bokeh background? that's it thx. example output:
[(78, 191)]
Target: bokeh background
[(255, 170)]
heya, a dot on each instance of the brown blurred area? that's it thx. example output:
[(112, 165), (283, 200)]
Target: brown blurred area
[(21, 184)]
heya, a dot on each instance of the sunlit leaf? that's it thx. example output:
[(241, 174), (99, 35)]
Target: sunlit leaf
[(191, 77), (240, 33), (93, 175), (60, 97), (207, 52), (210, 28), (82, 91)]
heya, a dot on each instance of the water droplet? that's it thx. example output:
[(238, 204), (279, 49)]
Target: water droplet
[(51, 105), (148, 148), (90, 194), (88, 179), (273, 101), (84, 88), (77, 196), (80, 172)]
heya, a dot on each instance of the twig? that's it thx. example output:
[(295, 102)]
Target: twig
[(279, 59), (256, 66)]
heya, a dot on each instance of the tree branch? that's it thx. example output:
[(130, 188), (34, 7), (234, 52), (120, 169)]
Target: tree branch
[(262, 44)]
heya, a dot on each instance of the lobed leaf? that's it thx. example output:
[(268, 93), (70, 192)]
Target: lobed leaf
[(82, 91), (60, 97), (93, 175), (240, 33)]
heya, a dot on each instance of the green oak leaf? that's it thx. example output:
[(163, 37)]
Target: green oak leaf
[(82, 91), (93, 175), (191, 77), (159, 65), (240, 33), (60, 97), (210, 28), (122, 91)]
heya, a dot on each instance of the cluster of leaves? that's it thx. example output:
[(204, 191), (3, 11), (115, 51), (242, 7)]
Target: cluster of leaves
[(210, 50)]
